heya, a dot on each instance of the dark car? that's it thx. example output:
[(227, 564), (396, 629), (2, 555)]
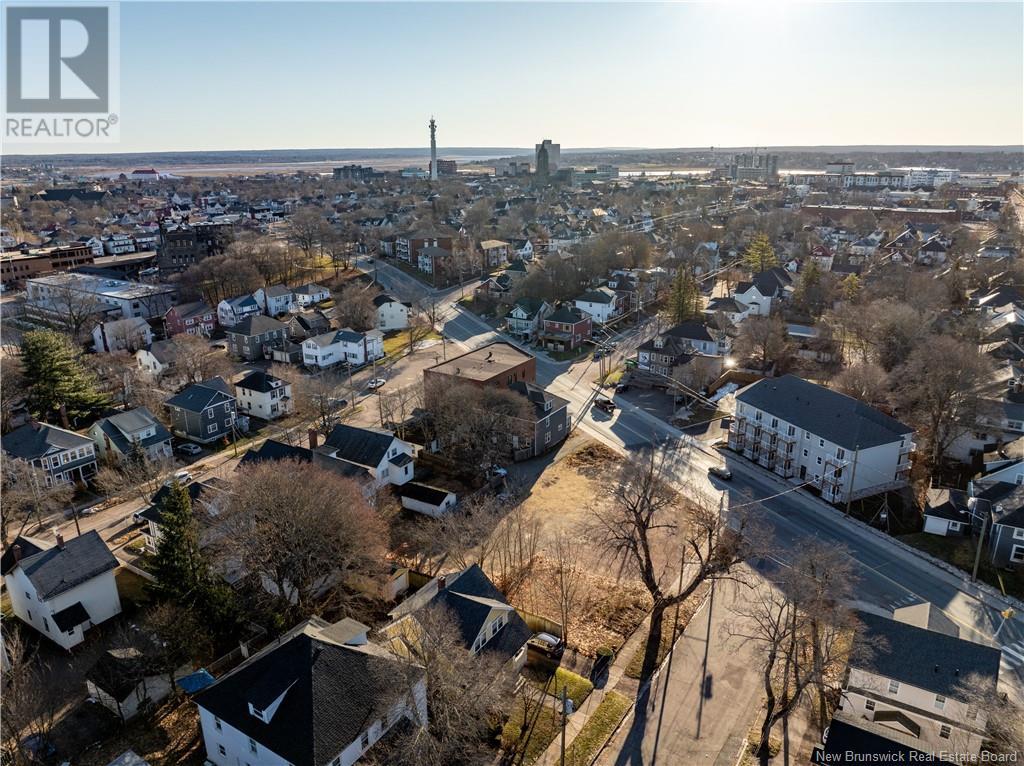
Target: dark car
[(720, 472), (605, 404), (547, 644), (621, 387)]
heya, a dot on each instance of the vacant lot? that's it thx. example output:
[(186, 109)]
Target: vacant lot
[(563, 501)]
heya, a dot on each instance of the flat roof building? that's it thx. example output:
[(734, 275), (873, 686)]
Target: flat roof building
[(496, 364)]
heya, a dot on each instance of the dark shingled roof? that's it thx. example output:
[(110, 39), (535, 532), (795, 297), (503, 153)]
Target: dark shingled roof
[(71, 616), (829, 414), (360, 445), (257, 324), (929, 660), (274, 450), (332, 694), (467, 594), (847, 743), (56, 570), (199, 396), (947, 504), (423, 492), (261, 381), (118, 671), (33, 440)]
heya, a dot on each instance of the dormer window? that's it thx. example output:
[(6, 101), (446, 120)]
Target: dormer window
[(257, 713)]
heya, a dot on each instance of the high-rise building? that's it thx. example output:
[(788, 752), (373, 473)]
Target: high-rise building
[(752, 166), (433, 150), (548, 156)]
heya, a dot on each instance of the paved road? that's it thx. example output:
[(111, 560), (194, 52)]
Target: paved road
[(695, 712)]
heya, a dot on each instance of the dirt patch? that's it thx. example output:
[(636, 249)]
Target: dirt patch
[(169, 736)]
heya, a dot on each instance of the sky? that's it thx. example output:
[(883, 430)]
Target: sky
[(263, 75)]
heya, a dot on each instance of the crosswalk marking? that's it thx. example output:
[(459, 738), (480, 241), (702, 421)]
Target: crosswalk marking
[(1014, 653)]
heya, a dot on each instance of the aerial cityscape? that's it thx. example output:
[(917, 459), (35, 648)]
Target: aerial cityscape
[(451, 384)]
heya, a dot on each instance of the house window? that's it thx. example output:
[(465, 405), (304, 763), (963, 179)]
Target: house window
[(211, 429), (216, 724), (252, 745), (28, 595), (775, 422), (940, 702), (945, 731), (221, 750), (46, 625), (821, 442), (364, 740), (819, 461), (1017, 554), (894, 687), (1018, 533), (210, 414), (791, 431), (805, 453), (954, 526), (840, 453), (869, 704)]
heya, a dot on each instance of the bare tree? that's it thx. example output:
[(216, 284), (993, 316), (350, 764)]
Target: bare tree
[(136, 474), (320, 398), (1002, 719), (940, 392), (399, 408), (303, 530), (419, 329), (569, 576), (763, 339), (306, 228), (195, 361), (355, 307), (30, 708), (74, 310), (25, 495), (466, 694), (173, 636), (864, 380)]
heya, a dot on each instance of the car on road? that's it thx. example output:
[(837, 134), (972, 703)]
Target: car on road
[(598, 354), (376, 383), (605, 404), (621, 387), (497, 472), (720, 472), (182, 477), (219, 345), (188, 448), (89, 510)]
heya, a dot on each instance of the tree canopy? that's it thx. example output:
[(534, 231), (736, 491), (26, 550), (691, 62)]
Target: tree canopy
[(56, 377)]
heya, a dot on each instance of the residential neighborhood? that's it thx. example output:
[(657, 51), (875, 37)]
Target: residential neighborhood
[(522, 448)]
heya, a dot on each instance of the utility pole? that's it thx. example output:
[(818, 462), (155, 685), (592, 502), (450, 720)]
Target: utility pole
[(981, 542), (853, 478), (564, 722)]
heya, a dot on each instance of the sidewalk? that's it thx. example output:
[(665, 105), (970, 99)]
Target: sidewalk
[(616, 680)]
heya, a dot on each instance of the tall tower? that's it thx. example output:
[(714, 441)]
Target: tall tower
[(433, 150)]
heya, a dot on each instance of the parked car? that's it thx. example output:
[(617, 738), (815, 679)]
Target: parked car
[(621, 387), (89, 510), (605, 404), (497, 472), (222, 346), (188, 448), (182, 477), (376, 383), (547, 644), (598, 354), (720, 472)]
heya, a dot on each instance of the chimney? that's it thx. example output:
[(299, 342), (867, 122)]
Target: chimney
[(64, 416), (314, 438), (441, 582), (60, 539), (16, 552)]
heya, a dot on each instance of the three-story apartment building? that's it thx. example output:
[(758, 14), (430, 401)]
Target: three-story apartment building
[(837, 444)]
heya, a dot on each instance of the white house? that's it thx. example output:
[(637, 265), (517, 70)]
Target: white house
[(601, 303), (277, 300), (947, 512), (261, 394), (121, 335), (764, 289), (125, 683), (910, 682), (116, 436), (732, 309), (428, 500), (231, 311), (321, 695), (385, 458), (391, 314), (310, 295), (156, 360), (343, 347), (526, 317), (64, 589), (833, 442)]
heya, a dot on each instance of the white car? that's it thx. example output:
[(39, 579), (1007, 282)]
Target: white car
[(188, 448), (182, 477), (376, 383)]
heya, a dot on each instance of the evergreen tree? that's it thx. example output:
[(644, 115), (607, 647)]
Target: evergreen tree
[(851, 287), (178, 566), (760, 255), (55, 376), (809, 294), (685, 299)]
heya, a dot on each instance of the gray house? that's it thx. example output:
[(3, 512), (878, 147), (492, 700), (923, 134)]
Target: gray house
[(252, 337), (203, 412), (1006, 506), (550, 420), (63, 455)]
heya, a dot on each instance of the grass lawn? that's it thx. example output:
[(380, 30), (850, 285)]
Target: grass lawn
[(960, 552), (597, 729), (686, 610), (131, 586), (5, 605), (577, 687), (531, 738), (613, 377)]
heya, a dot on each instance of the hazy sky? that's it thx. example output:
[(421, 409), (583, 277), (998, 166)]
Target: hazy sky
[(306, 75)]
